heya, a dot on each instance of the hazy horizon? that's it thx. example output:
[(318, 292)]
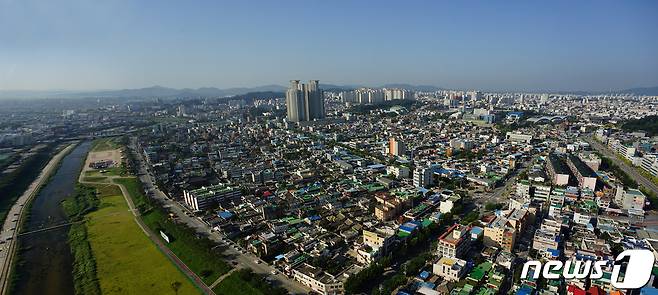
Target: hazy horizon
[(560, 46)]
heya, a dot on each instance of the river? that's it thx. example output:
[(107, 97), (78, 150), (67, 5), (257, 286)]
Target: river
[(45, 260)]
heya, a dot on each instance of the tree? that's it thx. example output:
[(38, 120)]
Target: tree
[(470, 217), (175, 286), (493, 206)]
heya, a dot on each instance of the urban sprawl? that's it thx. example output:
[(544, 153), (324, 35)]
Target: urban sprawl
[(387, 190)]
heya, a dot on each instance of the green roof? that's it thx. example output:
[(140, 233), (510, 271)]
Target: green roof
[(294, 221), (426, 222), (485, 291), (402, 234), (465, 290), (478, 273)]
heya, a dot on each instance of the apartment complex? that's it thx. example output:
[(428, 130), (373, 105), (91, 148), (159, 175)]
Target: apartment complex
[(304, 102), (205, 197)]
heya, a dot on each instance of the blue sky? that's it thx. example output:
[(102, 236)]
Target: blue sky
[(550, 45)]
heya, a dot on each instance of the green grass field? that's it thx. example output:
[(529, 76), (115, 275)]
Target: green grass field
[(195, 252), (233, 284), (112, 171), (245, 281), (104, 144), (95, 179), (5, 158), (127, 261)]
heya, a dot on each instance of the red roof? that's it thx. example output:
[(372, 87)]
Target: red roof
[(594, 290), (572, 289)]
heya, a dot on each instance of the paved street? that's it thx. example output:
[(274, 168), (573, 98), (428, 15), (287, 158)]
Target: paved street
[(631, 171), (154, 237), (12, 226), (231, 250), (501, 194)]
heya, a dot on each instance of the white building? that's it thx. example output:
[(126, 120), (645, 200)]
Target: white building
[(318, 280), (450, 269), (650, 164), (422, 177), (633, 199), (627, 152), (518, 137), (203, 198), (447, 204), (581, 218), (398, 171)]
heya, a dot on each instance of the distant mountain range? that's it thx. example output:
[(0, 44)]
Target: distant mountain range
[(642, 91), (166, 92), (154, 91), (159, 91)]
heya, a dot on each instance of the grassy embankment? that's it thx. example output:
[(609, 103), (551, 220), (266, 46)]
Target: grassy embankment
[(196, 252), (245, 282), (105, 144), (128, 262), (83, 201), (111, 253)]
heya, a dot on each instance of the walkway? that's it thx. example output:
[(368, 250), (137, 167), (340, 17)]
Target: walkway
[(155, 238), (12, 225), (631, 171)]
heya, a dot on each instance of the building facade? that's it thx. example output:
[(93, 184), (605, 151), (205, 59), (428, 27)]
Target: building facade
[(304, 102)]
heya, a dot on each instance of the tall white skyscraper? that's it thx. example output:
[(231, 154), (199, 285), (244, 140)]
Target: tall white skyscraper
[(304, 102)]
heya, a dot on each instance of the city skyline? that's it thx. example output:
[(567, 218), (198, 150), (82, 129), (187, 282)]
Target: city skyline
[(328, 147), (558, 46), (304, 102)]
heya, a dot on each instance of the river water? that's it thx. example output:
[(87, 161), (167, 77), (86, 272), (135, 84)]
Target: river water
[(45, 260)]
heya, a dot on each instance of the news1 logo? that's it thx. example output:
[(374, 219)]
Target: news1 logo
[(637, 265)]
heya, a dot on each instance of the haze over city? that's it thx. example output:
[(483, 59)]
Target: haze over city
[(328, 147), (514, 45)]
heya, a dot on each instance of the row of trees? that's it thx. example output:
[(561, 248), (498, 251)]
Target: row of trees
[(83, 201), (648, 124), (414, 251)]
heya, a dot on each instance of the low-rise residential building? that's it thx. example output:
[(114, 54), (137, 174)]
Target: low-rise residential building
[(547, 237), (500, 233), (318, 280), (584, 174), (380, 239), (558, 170), (388, 207), (447, 204), (633, 199), (623, 149), (650, 163), (450, 269), (455, 241)]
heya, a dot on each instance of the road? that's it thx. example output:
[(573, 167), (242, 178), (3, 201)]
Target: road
[(155, 238), (234, 253), (631, 171), (12, 225), (501, 194)]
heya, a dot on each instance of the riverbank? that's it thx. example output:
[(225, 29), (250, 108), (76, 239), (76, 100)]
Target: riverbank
[(12, 226), (123, 258), (13, 184)]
